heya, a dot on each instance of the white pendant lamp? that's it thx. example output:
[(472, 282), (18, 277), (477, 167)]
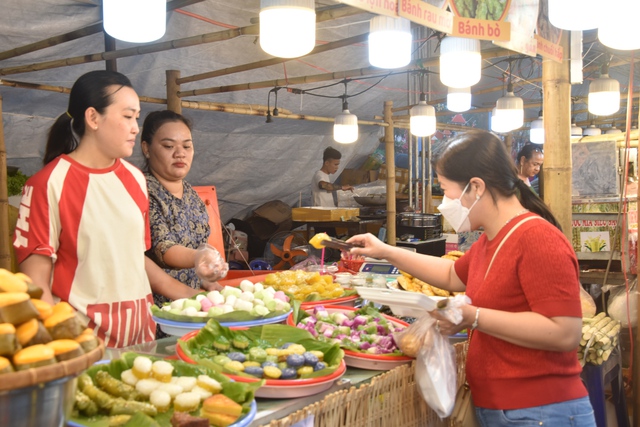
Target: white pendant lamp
[(389, 42), (459, 99), (604, 95), (423, 118), (345, 126), (592, 130), (536, 131), (511, 109), (575, 15), (287, 27), (460, 62), (498, 125), (575, 129), (620, 30), (613, 130), (137, 21)]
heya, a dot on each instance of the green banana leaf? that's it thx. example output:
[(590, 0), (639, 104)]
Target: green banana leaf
[(199, 347), (242, 393)]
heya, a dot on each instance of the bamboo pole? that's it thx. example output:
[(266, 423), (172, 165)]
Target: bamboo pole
[(389, 149), (359, 72), (273, 61), (110, 46), (76, 34), (556, 173), (251, 30), (5, 245), (173, 101)]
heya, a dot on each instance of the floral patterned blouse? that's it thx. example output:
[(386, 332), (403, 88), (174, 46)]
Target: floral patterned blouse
[(173, 222)]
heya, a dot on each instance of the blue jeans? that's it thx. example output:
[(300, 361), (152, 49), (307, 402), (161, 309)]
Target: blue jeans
[(572, 413)]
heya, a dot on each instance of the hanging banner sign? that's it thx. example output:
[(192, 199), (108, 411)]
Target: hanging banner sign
[(481, 29), (423, 13), (523, 16), (549, 50), (380, 7)]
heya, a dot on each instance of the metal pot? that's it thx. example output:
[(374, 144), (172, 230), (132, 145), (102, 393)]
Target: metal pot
[(372, 200), (39, 405)]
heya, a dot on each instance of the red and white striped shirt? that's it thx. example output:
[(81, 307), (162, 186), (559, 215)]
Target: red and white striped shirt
[(94, 225)]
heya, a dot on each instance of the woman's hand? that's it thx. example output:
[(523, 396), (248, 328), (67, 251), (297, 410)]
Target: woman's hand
[(369, 245), (445, 327), (210, 286), (209, 265)]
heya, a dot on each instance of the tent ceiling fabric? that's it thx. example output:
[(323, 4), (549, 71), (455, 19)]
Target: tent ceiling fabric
[(249, 161)]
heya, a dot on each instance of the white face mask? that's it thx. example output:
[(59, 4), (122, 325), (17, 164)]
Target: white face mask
[(455, 213)]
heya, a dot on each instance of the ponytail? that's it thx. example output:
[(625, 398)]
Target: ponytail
[(531, 201), (61, 138)]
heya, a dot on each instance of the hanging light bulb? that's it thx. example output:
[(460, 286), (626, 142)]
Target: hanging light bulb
[(287, 27), (458, 99), (498, 125), (620, 29), (423, 118), (139, 21), (511, 109), (575, 129), (592, 130), (460, 62), (389, 42), (575, 15), (536, 131), (345, 127), (604, 94)]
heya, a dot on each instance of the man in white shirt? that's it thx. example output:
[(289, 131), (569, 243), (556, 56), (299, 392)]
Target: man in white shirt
[(321, 187)]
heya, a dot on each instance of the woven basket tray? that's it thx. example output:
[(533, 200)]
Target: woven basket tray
[(44, 374)]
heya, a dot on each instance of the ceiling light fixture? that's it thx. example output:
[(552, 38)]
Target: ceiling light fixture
[(575, 129), (536, 131), (498, 124), (575, 15), (287, 27), (604, 94), (458, 99), (592, 130), (139, 21), (620, 30), (613, 130), (460, 62), (423, 118), (389, 42), (345, 125), (510, 108)]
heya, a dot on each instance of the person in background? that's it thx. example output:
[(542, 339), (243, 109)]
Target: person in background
[(83, 226), (529, 161), (321, 187), (177, 215), (525, 317)]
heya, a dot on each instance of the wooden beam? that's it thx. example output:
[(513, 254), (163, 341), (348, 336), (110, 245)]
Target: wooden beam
[(273, 61), (389, 147), (556, 173), (5, 244), (173, 101), (339, 75), (76, 34)]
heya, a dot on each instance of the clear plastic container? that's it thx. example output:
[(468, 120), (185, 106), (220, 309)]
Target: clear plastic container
[(343, 278)]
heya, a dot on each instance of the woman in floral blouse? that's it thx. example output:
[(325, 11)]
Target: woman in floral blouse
[(178, 217)]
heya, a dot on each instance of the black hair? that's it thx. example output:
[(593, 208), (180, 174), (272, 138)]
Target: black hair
[(527, 152), (153, 122), (481, 154), (92, 89), (331, 153)]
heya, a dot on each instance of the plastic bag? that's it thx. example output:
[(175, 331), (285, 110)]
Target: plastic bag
[(436, 360), (209, 264), (617, 305), (587, 303)]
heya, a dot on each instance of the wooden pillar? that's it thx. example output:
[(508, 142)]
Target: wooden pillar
[(110, 46), (635, 404), (5, 244), (556, 182), (389, 145), (173, 101)]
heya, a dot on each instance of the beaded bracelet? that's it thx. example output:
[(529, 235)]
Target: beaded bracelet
[(475, 322)]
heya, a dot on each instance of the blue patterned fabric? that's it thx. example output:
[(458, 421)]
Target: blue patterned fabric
[(173, 222)]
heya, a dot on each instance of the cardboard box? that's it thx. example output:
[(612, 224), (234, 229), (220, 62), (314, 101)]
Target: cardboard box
[(402, 177), (356, 176), (323, 214)]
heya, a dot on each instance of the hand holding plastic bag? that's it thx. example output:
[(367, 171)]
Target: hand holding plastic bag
[(436, 364), (210, 267)]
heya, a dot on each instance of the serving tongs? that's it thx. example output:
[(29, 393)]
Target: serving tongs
[(334, 243)]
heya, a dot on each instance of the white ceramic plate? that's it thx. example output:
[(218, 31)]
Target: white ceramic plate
[(172, 327), (402, 303)]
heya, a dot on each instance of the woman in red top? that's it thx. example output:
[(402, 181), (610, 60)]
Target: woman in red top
[(526, 317)]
